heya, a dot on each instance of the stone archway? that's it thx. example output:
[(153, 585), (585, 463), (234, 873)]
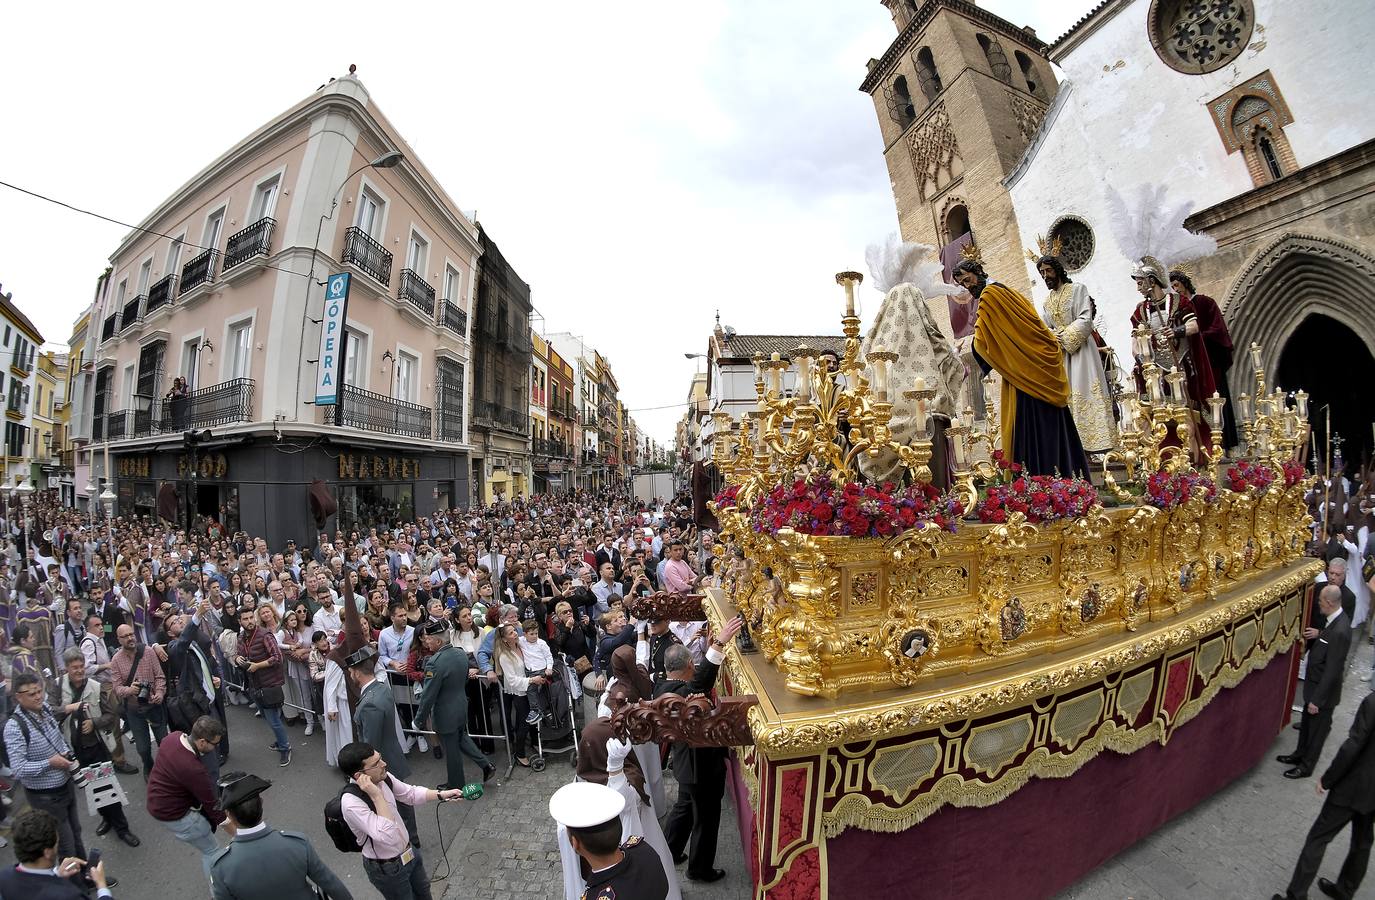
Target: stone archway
[(1294, 279)]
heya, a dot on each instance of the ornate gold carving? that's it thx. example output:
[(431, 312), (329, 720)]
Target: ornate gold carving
[(864, 591), (695, 720)]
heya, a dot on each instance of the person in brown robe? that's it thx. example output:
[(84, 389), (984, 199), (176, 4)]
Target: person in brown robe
[(1213, 329)]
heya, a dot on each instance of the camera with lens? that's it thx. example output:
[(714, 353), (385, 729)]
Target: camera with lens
[(70, 756), (145, 694)]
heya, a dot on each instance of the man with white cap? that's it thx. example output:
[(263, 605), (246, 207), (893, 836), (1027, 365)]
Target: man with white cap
[(589, 817)]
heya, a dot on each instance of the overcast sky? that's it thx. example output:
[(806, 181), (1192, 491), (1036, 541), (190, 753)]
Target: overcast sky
[(641, 164)]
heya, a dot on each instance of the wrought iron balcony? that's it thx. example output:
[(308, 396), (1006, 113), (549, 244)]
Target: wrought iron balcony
[(449, 416), (550, 447), (367, 255), (455, 319), (98, 427), (198, 270), (373, 412), (589, 420), (252, 241), (161, 294), (219, 404), (417, 291), (107, 329), (494, 415), (117, 425), (589, 457), (129, 317)]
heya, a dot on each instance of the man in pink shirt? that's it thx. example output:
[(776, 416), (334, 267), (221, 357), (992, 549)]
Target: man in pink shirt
[(393, 865), (678, 575)]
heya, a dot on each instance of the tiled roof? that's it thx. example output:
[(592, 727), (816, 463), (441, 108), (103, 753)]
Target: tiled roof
[(1083, 20), (745, 346)]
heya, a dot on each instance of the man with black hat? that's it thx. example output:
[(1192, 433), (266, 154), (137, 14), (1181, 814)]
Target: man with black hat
[(445, 694), (263, 862), (591, 815), (376, 718)]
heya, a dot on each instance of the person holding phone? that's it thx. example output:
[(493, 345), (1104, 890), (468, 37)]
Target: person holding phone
[(39, 875)]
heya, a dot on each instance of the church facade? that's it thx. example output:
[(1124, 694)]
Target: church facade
[(1240, 110)]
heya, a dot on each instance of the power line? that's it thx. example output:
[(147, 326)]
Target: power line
[(113, 221)]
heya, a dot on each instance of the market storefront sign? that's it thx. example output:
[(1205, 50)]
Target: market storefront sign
[(135, 466), (361, 467), (209, 465)]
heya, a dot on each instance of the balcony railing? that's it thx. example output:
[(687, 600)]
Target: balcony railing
[(219, 404), (117, 425), (373, 412), (455, 319), (589, 421), (496, 415), (129, 318), (252, 241), (161, 294), (107, 330), (417, 291), (198, 270), (589, 457), (369, 256), (550, 447), (98, 427)]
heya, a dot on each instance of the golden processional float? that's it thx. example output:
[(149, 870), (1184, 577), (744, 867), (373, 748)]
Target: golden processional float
[(988, 691)]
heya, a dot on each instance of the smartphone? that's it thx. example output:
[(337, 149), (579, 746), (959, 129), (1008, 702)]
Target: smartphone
[(92, 858)]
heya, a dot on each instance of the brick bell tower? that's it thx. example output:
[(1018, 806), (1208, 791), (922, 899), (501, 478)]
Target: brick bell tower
[(959, 95)]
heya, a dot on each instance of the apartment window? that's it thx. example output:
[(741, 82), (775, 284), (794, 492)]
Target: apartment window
[(40, 395), (356, 360), (370, 208), (7, 335), (16, 436), (417, 254), (241, 349), (174, 257), (214, 224), (264, 199), (126, 388), (452, 285), (120, 292), (145, 277), (407, 367), (190, 362)]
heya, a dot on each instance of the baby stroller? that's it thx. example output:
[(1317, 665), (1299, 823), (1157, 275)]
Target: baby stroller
[(557, 731)]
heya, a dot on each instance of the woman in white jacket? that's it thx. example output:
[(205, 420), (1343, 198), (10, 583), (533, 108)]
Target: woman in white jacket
[(509, 665)]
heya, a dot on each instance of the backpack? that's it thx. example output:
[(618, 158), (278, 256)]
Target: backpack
[(345, 841)]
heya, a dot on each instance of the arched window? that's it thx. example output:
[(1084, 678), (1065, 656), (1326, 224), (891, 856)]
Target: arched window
[(997, 59), (956, 223), (903, 109), (927, 76), (1266, 149), (1029, 74)]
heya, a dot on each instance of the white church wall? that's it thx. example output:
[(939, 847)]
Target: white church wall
[(1126, 118)]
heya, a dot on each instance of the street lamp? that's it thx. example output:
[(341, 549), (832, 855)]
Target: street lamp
[(107, 497), (389, 160), (90, 500)]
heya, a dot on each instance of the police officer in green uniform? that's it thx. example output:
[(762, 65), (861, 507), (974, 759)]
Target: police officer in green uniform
[(261, 861), (611, 869), (445, 696)]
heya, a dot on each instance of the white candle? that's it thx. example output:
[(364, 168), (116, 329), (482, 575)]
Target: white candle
[(921, 404), (1216, 403), (958, 438), (804, 379)]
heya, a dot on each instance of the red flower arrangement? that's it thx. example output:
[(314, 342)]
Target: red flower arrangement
[(1041, 498), (821, 507), (1166, 491), (1247, 474), (726, 496), (1293, 473)]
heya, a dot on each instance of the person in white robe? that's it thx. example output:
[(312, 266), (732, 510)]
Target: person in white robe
[(1068, 313), (637, 818), (338, 717)]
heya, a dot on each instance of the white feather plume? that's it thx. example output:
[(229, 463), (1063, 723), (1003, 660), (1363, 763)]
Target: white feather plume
[(893, 263), (1149, 225)]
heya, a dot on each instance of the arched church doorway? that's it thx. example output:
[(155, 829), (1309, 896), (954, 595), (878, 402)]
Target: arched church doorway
[(1327, 359), (1308, 302)]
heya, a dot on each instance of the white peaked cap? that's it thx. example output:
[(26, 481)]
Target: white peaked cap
[(585, 804)]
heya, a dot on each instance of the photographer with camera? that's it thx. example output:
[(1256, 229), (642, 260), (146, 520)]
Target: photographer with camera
[(43, 762), (139, 686), (89, 720)]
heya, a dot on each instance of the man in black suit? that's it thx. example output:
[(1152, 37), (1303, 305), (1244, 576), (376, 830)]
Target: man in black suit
[(1349, 783), (700, 771), (607, 553), (1322, 683), (1335, 574)]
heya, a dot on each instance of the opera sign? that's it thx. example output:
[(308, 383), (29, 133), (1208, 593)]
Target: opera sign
[(329, 366)]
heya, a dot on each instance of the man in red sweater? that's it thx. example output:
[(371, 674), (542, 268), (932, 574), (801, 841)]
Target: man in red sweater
[(180, 793)]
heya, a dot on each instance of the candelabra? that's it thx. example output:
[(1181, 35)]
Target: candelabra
[(836, 414)]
